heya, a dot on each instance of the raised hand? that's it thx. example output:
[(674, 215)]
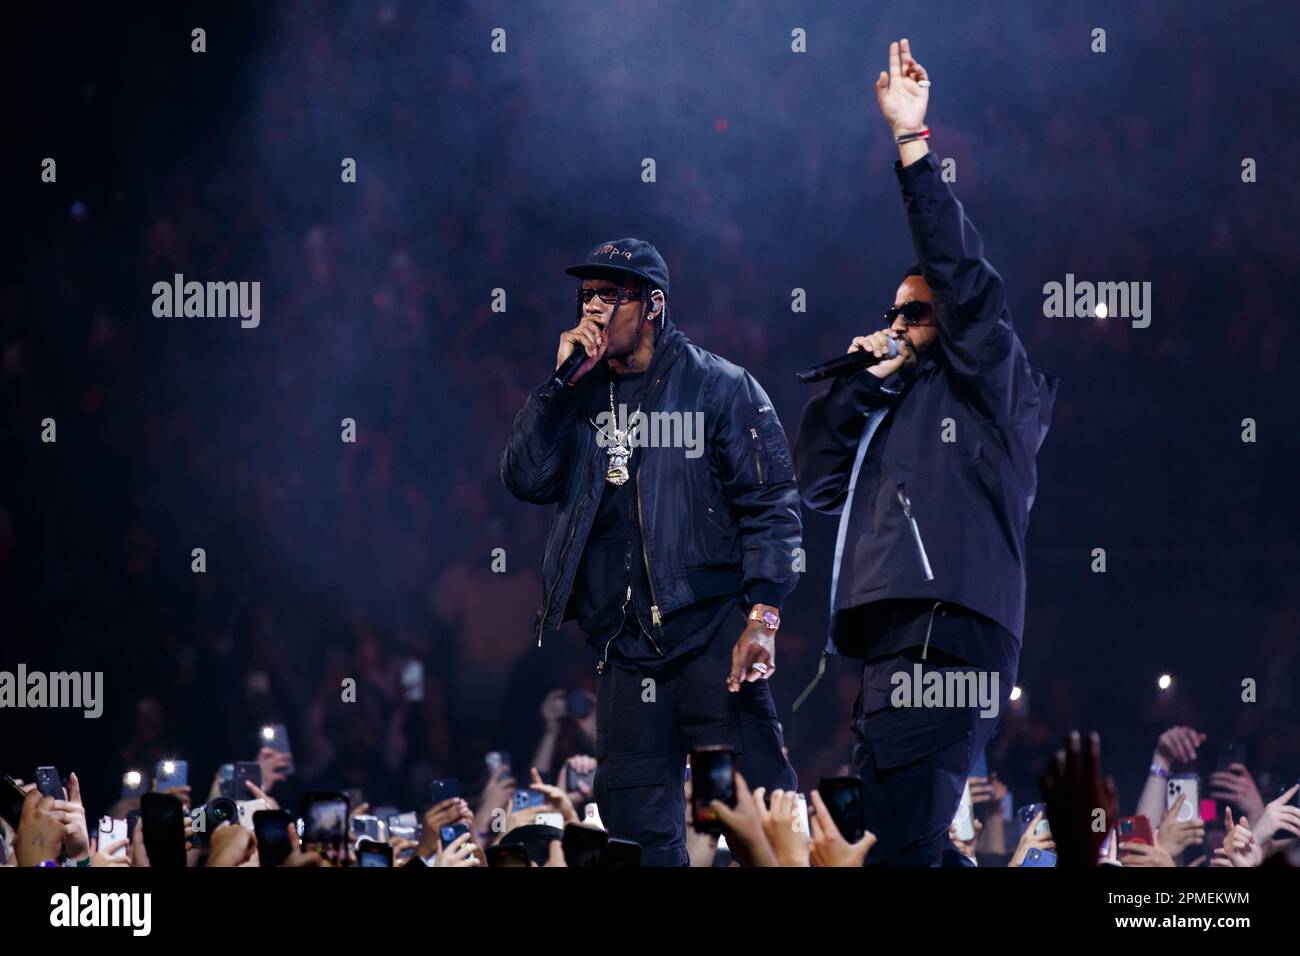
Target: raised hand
[(1075, 788), (1173, 837), (829, 848), (1177, 745), (782, 825), (1239, 844), (1031, 839), (743, 828), (1281, 815), (902, 98), (1237, 786)]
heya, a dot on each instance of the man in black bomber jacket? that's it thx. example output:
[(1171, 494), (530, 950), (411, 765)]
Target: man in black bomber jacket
[(672, 527), (928, 459)]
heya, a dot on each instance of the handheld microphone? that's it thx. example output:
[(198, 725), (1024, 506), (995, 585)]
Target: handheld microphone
[(849, 362), (564, 374)]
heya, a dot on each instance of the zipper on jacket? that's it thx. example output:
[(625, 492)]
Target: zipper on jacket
[(758, 453), (916, 532), (656, 619)]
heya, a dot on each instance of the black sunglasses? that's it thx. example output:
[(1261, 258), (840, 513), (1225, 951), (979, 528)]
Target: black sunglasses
[(912, 312), (608, 294)]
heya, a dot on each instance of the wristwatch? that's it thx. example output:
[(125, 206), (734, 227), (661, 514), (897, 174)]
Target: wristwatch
[(770, 618)]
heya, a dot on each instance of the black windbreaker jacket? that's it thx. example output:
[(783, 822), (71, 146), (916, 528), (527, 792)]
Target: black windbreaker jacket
[(724, 522), (943, 492)]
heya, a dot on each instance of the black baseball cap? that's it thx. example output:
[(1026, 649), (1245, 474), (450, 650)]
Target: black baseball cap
[(632, 256)]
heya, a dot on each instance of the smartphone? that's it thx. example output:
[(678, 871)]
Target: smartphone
[(843, 798), (206, 818), (134, 783), (1027, 813), (572, 779), (495, 760), (162, 816), (527, 798), (801, 814), (1039, 857), (246, 809), (413, 681), (1189, 785), (111, 831), (366, 826), (49, 783), (226, 780), (271, 827), (451, 833), (964, 822), (373, 853), (550, 820), (11, 802), (171, 773), (510, 855), (1135, 830), (583, 845), (325, 825), (713, 777), (621, 854), (444, 789), (276, 736), (245, 770)]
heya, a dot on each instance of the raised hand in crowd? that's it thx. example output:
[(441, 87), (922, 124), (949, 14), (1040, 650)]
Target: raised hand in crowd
[(743, 827), (1077, 792), (1172, 836), (783, 827), (829, 848), (1237, 786), (1032, 839)]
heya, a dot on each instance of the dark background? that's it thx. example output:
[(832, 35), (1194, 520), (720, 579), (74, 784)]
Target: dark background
[(479, 171)]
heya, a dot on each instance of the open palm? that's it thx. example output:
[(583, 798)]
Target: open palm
[(902, 100)]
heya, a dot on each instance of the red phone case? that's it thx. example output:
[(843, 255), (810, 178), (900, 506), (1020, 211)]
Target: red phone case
[(1141, 831)]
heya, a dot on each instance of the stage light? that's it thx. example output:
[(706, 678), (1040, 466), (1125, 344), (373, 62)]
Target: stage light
[(1015, 693), (132, 778), (1164, 681), (1102, 311), (268, 733), (169, 768)]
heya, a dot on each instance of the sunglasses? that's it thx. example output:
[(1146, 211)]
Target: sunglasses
[(608, 294), (912, 312)]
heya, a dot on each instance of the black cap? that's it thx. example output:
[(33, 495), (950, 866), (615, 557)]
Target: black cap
[(633, 256)]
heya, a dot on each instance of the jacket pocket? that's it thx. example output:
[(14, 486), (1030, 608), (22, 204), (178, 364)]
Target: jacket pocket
[(906, 504)]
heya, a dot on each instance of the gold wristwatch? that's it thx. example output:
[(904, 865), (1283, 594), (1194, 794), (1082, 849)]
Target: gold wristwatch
[(769, 618)]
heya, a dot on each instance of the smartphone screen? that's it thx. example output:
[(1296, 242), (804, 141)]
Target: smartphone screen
[(171, 773), (713, 777), (245, 770), (275, 736), (371, 853), (452, 832), (843, 798), (583, 845), (163, 818), (271, 827), (325, 823)]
